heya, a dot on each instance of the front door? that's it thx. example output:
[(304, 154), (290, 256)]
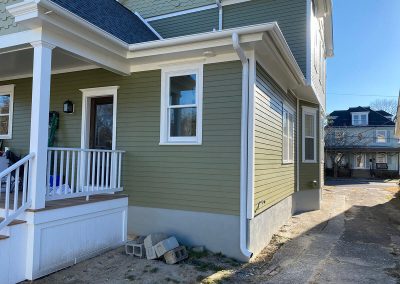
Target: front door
[(101, 123)]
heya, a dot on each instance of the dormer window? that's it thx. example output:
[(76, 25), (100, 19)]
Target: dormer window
[(360, 118)]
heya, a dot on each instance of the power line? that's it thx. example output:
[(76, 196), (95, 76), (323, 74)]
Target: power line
[(360, 95)]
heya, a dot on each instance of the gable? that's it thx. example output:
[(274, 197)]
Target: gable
[(7, 24)]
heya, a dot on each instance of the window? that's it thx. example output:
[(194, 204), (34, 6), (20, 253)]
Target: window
[(381, 136), (181, 106), (381, 158), (360, 118), (309, 135), (6, 111), (359, 161), (288, 135)]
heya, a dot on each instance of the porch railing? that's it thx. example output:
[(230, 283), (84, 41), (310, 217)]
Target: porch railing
[(14, 190), (82, 172)]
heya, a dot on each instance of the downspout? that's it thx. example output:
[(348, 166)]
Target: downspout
[(298, 136), (220, 13), (244, 151)]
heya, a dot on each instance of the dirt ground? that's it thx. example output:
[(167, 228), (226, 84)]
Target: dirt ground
[(355, 238)]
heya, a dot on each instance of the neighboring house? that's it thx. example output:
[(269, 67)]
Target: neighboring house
[(208, 116), (361, 142)]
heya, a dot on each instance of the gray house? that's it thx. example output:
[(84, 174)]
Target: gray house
[(206, 115), (361, 142)]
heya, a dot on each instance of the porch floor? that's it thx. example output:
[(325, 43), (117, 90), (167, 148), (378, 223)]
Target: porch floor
[(57, 204)]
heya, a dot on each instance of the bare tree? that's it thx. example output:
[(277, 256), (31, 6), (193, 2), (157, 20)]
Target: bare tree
[(388, 105)]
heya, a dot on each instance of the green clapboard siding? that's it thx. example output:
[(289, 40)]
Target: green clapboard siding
[(274, 181), (7, 23), (195, 178), (291, 16), (151, 8), (199, 22), (308, 172)]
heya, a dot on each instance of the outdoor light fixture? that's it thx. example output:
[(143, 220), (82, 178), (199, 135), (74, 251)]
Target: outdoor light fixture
[(68, 107)]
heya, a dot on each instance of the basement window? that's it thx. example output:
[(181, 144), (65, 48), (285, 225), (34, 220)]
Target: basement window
[(181, 106), (6, 111)]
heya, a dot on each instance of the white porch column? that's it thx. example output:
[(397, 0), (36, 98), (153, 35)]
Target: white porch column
[(40, 121)]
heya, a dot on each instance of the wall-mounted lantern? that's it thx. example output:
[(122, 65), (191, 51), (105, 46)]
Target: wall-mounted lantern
[(68, 107)]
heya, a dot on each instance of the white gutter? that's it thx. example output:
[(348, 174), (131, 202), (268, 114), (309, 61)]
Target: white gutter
[(298, 136), (243, 153), (220, 13)]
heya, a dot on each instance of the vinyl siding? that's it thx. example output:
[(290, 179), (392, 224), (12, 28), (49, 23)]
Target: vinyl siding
[(196, 178), (308, 172), (199, 22), (274, 181), (152, 8), (7, 23)]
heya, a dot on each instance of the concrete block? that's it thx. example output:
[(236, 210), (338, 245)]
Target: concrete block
[(166, 245), (153, 239), (150, 253), (176, 255), (139, 250), (129, 248)]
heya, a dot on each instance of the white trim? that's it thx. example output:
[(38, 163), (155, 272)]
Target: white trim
[(231, 2), (184, 12), (167, 73), (298, 144), (97, 92), (54, 72), (148, 25), (5, 91), (309, 43), (309, 111), (290, 159)]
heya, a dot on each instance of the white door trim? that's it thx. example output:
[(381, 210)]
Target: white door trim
[(91, 93)]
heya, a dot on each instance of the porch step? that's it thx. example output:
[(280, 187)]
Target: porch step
[(2, 237), (14, 223)]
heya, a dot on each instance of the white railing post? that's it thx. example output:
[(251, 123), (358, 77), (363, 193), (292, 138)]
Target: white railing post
[(39, 122)]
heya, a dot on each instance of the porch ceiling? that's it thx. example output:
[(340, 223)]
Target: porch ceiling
[(18, 63)]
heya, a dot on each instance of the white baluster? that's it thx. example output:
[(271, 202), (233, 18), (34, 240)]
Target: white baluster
[(119, 169), (7, 207), (16, 188), (98, 172), (25, 182), (107, 170), (73, 173), (67, 183), (61, 172)]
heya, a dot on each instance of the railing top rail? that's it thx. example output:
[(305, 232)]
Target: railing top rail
[(84, 150), (16, 165)]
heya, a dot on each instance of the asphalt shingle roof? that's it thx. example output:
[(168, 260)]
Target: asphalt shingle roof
[(112, 17), (375, 118)]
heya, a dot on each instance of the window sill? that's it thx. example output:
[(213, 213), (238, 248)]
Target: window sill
[(5, 137), (180, 144), (309, 162), (287, 162)]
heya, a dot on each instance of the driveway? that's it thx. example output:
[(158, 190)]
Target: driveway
[(355, 238)]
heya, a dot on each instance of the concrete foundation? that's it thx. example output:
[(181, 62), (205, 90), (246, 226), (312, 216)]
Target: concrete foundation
[(307, 200), (266, 224), (217, 232)]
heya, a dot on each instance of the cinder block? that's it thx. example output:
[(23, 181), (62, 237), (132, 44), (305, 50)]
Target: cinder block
[(176, 255), (129, 248), (150, 253), (139, 250), (166, 245), (153, 239)]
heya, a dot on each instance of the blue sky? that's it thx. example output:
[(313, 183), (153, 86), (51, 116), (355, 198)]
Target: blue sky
[(367, 53)]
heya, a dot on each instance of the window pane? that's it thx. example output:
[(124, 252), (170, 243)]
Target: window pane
[(183, 90), (4, 125), (5, 104), (103, 131), (309, 125), (183, 122), (291, 149), (309, 148), (291, 125), (360, 161)]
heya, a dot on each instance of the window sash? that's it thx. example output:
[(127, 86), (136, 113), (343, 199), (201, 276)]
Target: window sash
[(360, 165), (8, 90), (309, 141), (381, 158), (288, 135), (381, 136), (167, 107)]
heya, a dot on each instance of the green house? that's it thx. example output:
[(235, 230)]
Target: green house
[(201, 119)]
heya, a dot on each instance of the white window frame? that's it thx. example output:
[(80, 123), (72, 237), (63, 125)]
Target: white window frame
[(384, 160), (312, 112), (8, 90), (166, 74), (286, 136), (385, 135), (353, 120), (355, 161)]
